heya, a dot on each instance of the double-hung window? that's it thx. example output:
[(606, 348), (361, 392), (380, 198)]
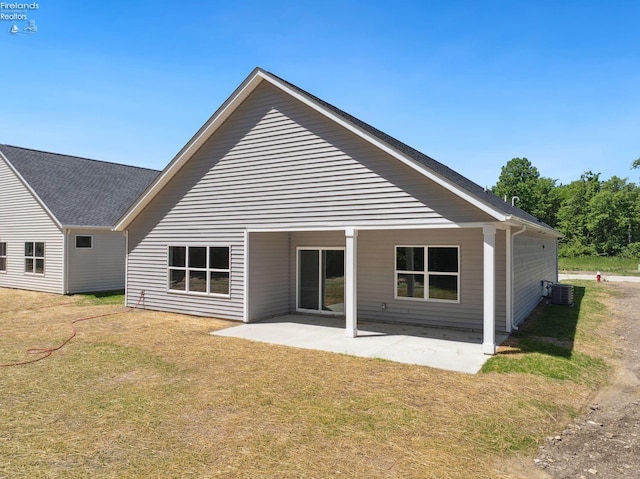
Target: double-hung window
[(3, 256), (34, 257), (199, 269), (428, 273)]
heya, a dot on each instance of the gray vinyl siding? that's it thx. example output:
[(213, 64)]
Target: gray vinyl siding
[(147, 272), (534, 261), (23, 219), (99, 268), (277, 163), (376, 275), (269, 279)]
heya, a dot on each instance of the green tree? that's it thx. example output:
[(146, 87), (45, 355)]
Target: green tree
[(599, 217), (611, 222), (573, 215), (535, 194)]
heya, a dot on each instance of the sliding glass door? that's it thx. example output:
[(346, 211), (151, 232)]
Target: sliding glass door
[(321, 280)]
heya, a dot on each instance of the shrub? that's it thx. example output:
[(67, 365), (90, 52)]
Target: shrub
[(631, 251)]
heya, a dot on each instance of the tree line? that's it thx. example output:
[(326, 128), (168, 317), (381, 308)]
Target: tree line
[(597, 217)]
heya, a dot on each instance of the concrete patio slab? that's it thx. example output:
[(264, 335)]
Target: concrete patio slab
[(439, 348)]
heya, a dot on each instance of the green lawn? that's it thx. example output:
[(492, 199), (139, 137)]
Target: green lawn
[(560, 342), (604, 264), (150, 394)]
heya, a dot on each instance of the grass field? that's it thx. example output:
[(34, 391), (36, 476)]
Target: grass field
[(148, 394), (556, 341), (604, 264)]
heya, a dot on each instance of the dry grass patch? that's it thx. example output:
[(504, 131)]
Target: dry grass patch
[(149, 394)]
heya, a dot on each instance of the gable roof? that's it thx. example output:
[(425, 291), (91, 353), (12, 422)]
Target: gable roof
[(78, 191), (443, 175)]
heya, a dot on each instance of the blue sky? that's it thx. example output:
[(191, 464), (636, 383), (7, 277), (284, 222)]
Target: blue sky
[(470, 83)]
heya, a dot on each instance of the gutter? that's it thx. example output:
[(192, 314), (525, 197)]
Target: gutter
[(89, 227)]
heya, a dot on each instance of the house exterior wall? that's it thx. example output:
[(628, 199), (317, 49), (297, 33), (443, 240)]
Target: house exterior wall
[(99, 268), (270, 281), (376, 275), (148, 269), (276, 164), (23, 219), (534, 260)]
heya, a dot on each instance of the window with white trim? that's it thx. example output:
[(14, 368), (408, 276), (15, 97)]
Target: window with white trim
[(34, 257), (428, 273), (84, 241), (199, 269), (3, 256)]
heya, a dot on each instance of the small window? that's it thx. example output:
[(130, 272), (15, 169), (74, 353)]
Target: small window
[(3, 256), (431, 276), (199, 269), (34, 257), (84, 241)]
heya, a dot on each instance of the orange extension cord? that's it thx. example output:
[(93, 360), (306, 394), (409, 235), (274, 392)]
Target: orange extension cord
[(46, 352)]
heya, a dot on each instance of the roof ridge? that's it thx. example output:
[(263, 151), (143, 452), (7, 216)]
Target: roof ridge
[(77, 157)]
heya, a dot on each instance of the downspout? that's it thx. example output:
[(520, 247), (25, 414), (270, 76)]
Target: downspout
[(65, 261), (512, 285), (557, 261)]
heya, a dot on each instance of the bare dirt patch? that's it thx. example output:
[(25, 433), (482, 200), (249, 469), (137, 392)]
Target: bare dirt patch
[(604, 441)]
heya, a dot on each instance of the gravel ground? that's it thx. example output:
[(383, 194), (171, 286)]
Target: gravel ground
[(604, 442)]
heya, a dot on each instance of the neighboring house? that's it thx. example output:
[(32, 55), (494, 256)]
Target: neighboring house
[(282, 203), (56, 219)]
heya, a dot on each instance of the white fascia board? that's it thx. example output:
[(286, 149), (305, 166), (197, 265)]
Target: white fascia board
[(32, 192), (205, 132), (87, 227), (519, 222), (389, 150)]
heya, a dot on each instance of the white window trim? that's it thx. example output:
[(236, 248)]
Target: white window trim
[(208, 270), (34, 258), (426, 273), (75, 242), (4, 256)]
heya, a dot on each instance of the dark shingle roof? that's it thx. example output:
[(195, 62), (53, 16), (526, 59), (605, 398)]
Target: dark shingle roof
[(438, 168), (79, 191)]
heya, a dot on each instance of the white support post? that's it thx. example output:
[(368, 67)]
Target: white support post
[(508, 281), (350, 283), (489, 310), (246, 316)]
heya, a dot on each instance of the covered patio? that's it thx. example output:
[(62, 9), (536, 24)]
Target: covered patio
[(453, 350), (349, 281)]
